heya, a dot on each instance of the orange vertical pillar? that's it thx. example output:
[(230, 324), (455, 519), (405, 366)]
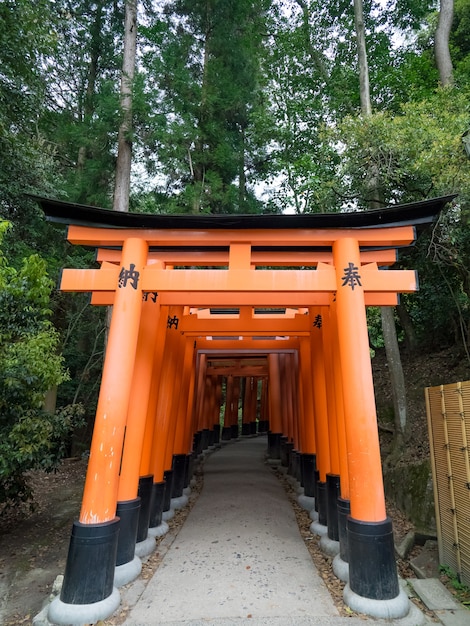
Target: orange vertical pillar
[(321, 415), (89, 572), (372, 568), (174, 459), (189, 417), (134, 493), (217, 407), (308, 446), (234, 409), (275, 407), (263, 425), (333, 476), (341, 560), (161, 470), (226, 430), (150, 449), (247, 390), (201, 363), (183, 423)]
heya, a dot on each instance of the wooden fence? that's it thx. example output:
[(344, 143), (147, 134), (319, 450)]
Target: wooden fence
[(448, 412)]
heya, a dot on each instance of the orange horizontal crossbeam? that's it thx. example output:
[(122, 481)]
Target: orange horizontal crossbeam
[(106, 237), (243, 281), (198, 299), (276, 258)]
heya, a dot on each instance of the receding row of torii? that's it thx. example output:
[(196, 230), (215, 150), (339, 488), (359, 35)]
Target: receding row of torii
[(203, 316)]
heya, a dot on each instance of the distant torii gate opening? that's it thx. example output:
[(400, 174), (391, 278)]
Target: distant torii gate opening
[(271, 309)]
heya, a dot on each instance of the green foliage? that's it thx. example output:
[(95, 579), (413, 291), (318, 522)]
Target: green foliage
[(202, 65), (462, 591), (417, 153), (29, 366)]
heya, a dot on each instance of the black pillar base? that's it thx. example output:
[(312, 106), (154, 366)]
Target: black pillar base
[(197, 443), (156, 504), (188, 469), (344, 509), (309, 464), (211, 437), (298, 467), (216, 430), (205, 438), (128, 512), (245, 429), (263, 426), (91, 560), (179, 466), (372, 566), (317, 480), (226, 433), (145, 493), (234, 431), (322, 503), (332, 495), (274, 446), (291, 458), (168, 476), (285, 450)]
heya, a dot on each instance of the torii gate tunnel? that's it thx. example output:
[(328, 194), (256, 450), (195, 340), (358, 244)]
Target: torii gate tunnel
[(272, 309)]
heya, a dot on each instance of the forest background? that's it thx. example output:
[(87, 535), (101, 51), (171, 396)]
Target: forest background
[(247, 106)]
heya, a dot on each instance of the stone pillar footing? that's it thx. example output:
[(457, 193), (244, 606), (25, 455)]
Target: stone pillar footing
[(318, 529), (329, 547), (340, 568), (394, 608), (306, 502), (145, 547), (127, 572), (65, 614), (159, 531)]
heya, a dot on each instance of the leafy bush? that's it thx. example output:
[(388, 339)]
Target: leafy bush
[(30, 438)]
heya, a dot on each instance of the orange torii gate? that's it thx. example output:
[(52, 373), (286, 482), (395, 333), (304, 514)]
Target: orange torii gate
[(166, 356)]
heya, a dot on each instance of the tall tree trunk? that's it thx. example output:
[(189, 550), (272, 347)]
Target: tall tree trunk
[(364, 88), (441, 42), (406, 322), (124, 158), (395, 368), (95, 54), (392, 350)]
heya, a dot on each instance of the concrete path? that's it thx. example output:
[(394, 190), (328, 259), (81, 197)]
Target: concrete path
[(239, 557)]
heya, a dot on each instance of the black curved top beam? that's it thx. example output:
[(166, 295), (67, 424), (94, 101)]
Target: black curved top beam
[(413, 213)]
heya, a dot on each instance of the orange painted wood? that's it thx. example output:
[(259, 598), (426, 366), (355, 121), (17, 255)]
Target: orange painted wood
[(174, 388), (320, 399), (106, 237), (290, 258), (101, 484), (275, 299), (181, 446), (328, 359), (164, 405), (287, 428), (338, 375), (274, 394), (308, 417), (138, 405), (242, 281), (365, 469), (148, 449), (229, 386)]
